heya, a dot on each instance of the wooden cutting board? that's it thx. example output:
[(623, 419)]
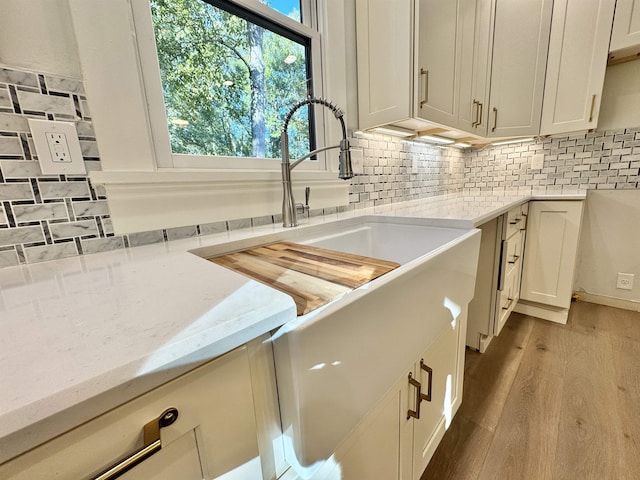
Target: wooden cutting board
[(312, 276)]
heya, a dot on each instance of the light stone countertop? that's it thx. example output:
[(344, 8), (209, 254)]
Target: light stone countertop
[(85, 334)]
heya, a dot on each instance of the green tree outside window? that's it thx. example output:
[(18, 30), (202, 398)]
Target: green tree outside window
[(228, 83)]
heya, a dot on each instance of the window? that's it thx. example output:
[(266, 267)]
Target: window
[(229, 76), (149, 186)]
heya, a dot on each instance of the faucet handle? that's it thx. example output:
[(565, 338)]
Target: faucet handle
[(302, 208)]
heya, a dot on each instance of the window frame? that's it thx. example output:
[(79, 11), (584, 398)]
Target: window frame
[(143, 193), (147, 48)]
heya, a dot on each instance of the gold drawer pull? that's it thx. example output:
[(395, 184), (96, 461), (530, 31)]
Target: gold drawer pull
[(515, 221), (429, 370), (415, 413), (425, 74), (476, 112), (508, 304), (593, 103), (515, 259), (152, 445)]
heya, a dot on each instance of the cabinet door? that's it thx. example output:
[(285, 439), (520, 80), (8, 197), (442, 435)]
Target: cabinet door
[(437, 57), (521, 40), (380, 447), (550, 254), (578, 51), (626, 25), (476, 18), (214, 436), (483, 305), (436, 414), (385, 42)]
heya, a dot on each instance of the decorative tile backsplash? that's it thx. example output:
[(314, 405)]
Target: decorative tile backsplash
[(602, 160), (44, 217), (398, 170)]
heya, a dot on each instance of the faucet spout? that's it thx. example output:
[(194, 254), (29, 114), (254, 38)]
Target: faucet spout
[(345, 170)]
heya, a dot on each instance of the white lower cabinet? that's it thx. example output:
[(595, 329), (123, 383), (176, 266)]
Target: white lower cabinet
[(498, 280), (398, 438), (436, 372), (216, 433), (550, 259)]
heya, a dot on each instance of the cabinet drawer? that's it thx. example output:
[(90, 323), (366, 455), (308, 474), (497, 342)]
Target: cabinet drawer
[(514, 222), (511, 256), (508, 297), (524, 214), (215, 432)]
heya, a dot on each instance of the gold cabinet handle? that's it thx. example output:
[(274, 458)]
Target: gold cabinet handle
[(152, 445), (475, 113), (495, 119), (415, 413), (515, 221), (515, 259), (508, 304), (480, 108), (429, 370), (593, 102), (425, 100)]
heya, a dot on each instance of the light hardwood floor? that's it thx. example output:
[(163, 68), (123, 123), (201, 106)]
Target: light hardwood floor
[(550, 402)]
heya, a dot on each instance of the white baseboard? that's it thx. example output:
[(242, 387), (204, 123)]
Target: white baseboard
[(610, 301)]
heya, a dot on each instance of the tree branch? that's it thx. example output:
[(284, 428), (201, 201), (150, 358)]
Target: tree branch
[(235, 51)]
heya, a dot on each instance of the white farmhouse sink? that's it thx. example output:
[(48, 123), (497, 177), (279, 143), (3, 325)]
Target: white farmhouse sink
[(335, 363)]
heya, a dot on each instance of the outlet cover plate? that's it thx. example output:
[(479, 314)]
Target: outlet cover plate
[(537, 161), (625, 281), (43, 131)]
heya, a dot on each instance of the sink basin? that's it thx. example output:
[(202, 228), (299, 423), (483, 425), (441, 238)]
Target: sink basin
[(384, 238), (335, 363)]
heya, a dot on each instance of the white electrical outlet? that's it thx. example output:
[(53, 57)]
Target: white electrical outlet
[(625, 281), (57, 146)]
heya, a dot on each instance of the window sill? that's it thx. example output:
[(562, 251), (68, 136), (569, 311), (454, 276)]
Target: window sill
[(141, 201)]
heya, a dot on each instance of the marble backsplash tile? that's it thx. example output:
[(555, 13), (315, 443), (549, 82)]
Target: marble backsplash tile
[(588, 160)]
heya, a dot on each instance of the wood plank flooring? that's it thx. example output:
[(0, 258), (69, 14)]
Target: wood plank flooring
[(550, 402)]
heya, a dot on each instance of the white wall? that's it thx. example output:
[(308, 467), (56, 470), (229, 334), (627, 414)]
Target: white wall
[(38, 35), (609, 243)]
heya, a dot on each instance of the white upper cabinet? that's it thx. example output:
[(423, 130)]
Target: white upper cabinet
[(520, 42), (492, 68), (464, 53), (408, 62), (476, 18), (438, 58), (384, 38), (577, 62), (626, 25)]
